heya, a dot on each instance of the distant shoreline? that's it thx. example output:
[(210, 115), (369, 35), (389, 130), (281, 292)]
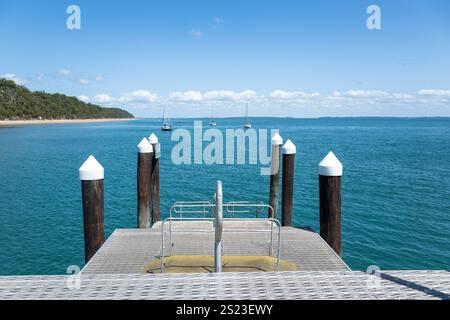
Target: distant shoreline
[(207, 119), (6, 123)]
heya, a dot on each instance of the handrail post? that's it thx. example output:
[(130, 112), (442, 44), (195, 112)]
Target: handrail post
[(162, 245), (218, 228)]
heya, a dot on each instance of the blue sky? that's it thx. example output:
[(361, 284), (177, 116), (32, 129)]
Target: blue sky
[(286, 58)]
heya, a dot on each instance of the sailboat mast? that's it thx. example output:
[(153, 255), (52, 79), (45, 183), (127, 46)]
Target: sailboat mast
[(247, 124), (164, 114), (166, 124), (246, 113)]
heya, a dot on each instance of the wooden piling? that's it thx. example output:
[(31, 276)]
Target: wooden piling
[(277, 141), (156, 211), (289, 150), (145, 155), (330, 190), (91, 176)]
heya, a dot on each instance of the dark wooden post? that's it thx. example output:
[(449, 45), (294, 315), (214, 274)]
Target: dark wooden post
[(91, 176), (289, 150), (277, 141), (156, 211), (330, 190), (145, 155)]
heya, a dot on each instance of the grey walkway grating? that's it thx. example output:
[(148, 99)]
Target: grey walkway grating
[(128, 250), (281, 285)]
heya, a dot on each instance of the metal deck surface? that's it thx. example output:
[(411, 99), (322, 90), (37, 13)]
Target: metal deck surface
[(128, 250), (276, 285)]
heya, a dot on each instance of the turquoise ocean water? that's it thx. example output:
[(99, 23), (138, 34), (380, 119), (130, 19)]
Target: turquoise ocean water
[(396, 186)]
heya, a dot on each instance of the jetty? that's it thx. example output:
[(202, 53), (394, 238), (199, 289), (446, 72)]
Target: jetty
[(219, 249)]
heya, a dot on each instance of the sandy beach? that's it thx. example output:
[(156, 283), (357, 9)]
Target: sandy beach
[(4, 123)]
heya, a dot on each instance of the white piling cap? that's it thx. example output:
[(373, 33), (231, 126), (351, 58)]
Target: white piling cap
[(289, 148), (91, 170), (330, 166), (153, 139), (277, 140), (145, 146)]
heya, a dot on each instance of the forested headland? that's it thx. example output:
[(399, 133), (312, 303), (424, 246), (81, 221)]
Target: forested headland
[(19, 103)]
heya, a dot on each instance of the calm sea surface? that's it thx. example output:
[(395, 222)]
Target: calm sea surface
[(396, 186)]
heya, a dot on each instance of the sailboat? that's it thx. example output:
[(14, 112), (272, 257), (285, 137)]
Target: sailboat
[(212, 122), (247, 124), (166, 125)]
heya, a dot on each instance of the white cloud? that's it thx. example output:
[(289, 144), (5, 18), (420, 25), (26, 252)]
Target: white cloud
[(365, 93), (65, 72), (195, 33), (292, 95), (246, 95), (129, 99), (186, 96), (436, 93), (99, 78), (402, 96), (83, 81), (139, 96), (336, 94), (13, 77), (296, 103), (229, 95), (84, 98), (103, 98), (335, 98), (214, 95)]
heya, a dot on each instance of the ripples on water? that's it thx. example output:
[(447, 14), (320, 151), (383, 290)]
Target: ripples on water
[(396, 186)]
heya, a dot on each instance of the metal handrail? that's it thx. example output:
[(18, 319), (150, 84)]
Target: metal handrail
[(233, 207), (205, 207), (273, 221), (180, 207)]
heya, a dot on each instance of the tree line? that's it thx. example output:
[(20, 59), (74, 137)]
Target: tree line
[(19, 103)]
